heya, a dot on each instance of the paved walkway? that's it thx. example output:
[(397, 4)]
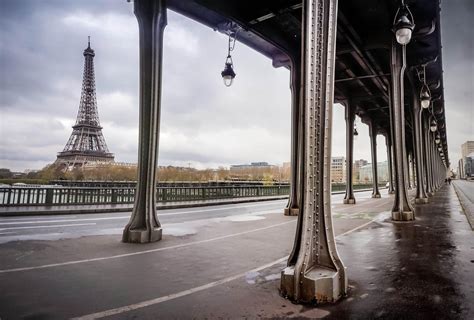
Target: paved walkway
[(104, 208), (230, 268)]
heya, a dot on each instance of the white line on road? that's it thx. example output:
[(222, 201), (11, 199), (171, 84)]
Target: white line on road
[(147, 303), (143, 252), (158, 300), (51, 226)]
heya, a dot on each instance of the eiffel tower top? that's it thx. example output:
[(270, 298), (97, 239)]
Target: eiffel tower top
[(86, 143), (88, 51)]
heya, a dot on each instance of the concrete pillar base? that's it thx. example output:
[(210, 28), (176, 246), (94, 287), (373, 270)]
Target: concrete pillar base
[(291, 211), (350, 201), (421, 200), (429, 194), (403, 216), (376, 195), (318, 285), (142, 235), (391, 191)]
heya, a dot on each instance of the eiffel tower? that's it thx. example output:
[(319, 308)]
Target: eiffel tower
[(86, 144)]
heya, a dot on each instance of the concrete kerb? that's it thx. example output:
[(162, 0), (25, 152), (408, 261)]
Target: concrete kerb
[(17, 211), (466, 205)]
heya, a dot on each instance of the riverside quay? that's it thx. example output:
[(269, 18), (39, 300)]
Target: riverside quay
[(405, 251)]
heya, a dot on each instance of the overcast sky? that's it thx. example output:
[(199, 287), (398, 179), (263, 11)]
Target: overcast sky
[(204, 124)]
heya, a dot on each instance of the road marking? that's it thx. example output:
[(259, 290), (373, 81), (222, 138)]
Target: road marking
[(147, 303), (52, 226), (143, 252), (151, 302)]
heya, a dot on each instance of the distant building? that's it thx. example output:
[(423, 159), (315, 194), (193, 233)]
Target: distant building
[(461, 173), (338, 169), (365, 172), (356, 169), (467, 148), (237, 168), (469, 166)]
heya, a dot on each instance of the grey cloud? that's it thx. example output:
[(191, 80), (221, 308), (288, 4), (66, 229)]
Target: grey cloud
[(41, 65)]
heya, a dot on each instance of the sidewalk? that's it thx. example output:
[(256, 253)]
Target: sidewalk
[(105, 208)]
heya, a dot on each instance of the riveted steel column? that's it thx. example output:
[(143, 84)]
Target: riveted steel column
[(433, 167), (418, 149), (350, 118), (373, 148), (413, 172), (295, 85), (402, 209), (388, 144), (426, 150), (144, 225), (315, 273), (408, 171)]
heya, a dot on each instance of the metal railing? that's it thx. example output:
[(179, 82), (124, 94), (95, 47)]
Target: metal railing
[(50, 196)]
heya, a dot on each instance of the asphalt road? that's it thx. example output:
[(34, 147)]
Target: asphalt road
[(175, 222), (467, 187)]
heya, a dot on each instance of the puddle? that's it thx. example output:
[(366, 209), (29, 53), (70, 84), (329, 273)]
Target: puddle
[(271, 277), (178, 229), (241, 218)]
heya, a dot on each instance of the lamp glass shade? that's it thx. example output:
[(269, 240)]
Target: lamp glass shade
[(403, 35), (433, 127), (425, 103), (228, 74), (228, 80)]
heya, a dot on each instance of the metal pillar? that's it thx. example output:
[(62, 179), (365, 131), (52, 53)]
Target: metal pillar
[(433, 162), (402, 209), (295, 85), (388, 144), (350, 118), (373, 148), (427, 158), (421, 196), (314, 272), (408, 177), (413, 171), (144, 225)]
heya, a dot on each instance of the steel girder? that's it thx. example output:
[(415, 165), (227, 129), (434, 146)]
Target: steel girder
[(144, 225), (315, 271)]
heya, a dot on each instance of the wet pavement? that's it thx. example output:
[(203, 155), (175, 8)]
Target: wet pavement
[(229, 268)]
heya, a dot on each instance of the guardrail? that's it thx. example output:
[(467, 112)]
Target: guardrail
[(50, 196)]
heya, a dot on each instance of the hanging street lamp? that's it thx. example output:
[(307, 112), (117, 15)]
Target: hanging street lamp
[(437, 139), (403, 24), (228, 73), (356, 133), (433, 125), (425, 96)]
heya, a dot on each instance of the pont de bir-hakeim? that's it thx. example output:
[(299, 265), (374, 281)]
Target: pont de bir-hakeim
[(86, 143)]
